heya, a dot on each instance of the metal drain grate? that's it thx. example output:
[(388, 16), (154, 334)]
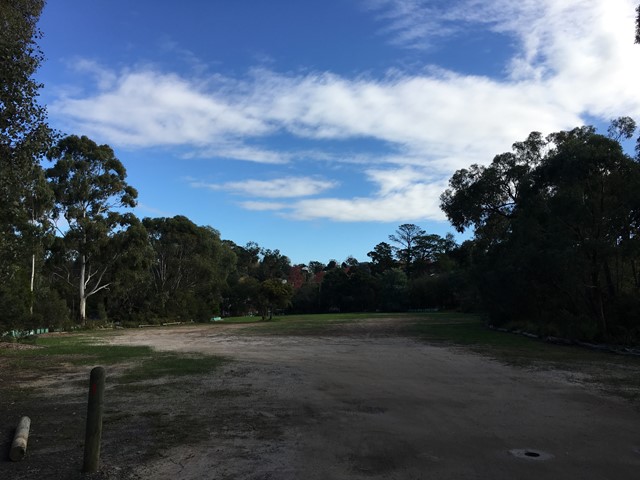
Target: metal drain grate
[(530, 454)]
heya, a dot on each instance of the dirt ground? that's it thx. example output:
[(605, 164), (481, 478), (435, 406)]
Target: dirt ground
[(352, 406)]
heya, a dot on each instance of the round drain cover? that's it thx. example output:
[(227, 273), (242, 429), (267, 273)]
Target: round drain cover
[(530, 454)]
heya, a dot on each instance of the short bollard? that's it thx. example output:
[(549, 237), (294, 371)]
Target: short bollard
[(19, 445), (94, 421)]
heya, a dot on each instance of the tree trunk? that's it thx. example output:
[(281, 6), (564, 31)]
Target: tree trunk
[(603, 319), (33, 276), (83, 298), (598, 302), (611, 287)]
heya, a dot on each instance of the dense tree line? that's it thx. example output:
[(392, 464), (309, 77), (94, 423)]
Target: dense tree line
[(555, 244), (417, 271), (71, 252)]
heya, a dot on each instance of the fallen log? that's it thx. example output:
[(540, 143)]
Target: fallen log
[(19, 445)]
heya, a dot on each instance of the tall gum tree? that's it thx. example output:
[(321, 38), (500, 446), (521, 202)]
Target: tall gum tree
[(90, 192), (190, 266), (24, 139)]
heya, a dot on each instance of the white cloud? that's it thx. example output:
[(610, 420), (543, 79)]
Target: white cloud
[(241, 152), (418, 201), (405, 194), (456, 116), (104, 78), (288, 187), (263, 206), (149, 108), (576, 58)]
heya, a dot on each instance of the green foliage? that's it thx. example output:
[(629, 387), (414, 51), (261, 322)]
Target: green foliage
[(556, 232), (14, 303), (382, 257), (273, 294), (189, 268), (407, 237), (306, 299), (437, 291), (393, 290), (129, 296), (259, 283), (50, 310), (334, 284), (90, 190), (24, 138)]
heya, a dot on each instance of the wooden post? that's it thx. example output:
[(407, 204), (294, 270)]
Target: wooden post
[(94, 421), (19, 445)]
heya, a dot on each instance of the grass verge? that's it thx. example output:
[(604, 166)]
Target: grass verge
[(316, 324), (140, 362)]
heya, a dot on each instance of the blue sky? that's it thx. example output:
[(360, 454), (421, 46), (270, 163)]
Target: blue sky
[(317, 128)]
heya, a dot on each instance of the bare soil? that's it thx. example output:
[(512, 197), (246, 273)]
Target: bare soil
[(363, 404)]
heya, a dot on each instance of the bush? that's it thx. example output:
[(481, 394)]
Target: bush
[(50, 310)]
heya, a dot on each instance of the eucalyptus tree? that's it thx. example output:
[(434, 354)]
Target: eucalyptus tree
[(556, 233), (382, 257), (189, 268), (130, 277), (273, 293), (91, 191), (272, 264), (590, 190), (24, 139), (431, 253)]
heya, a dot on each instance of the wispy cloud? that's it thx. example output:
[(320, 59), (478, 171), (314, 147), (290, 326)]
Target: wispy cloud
[(146, 108), (148, 210), (407, 194), (238, 151), (260, 206), (288, 187), (415, 23), (576, 58)]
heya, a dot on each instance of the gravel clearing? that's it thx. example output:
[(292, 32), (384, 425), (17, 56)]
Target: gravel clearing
[(354, 406)]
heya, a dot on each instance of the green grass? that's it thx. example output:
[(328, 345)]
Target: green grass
[(234, 320), (77, 349), (86, 349), (164, 365), (302, 324), (470, 332)]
